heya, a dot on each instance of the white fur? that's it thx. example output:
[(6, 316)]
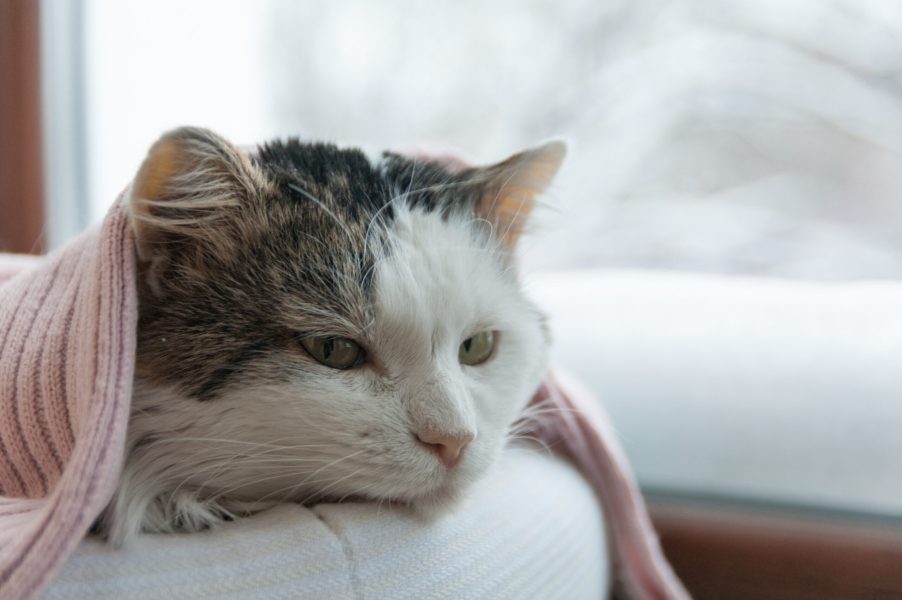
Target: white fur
[(319, 433)]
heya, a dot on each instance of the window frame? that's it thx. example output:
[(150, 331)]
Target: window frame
[(21, 168)]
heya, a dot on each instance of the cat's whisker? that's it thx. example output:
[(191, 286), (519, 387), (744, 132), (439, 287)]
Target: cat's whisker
[(272, 443), (360, 491), (307, 479), (216, 468), (332, 464), (321, 493), (258, 480), (530, 421), (282, 494), (188, 463), (528, 438), (389, 503), (533, 412), (286, 492)]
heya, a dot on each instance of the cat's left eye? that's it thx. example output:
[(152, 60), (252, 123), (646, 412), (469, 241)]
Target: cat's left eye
[(477, 349), (335, 352)]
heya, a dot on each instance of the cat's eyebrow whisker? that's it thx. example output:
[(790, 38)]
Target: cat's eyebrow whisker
[(325, 209), (318, 274), (449, 182), (369, 272), (433, 187), (313, 238), (369, 226), (413, 173)]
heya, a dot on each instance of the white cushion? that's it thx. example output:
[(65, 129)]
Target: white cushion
[(766, 389), (532, 529)]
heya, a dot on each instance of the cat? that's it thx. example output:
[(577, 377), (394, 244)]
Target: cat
[(317, 325)]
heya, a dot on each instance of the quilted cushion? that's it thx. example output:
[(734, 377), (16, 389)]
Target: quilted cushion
[(532, 529)]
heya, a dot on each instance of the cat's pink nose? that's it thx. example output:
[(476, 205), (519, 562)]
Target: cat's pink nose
[(447, 446)]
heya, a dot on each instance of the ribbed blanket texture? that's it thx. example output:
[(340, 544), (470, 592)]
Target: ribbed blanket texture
[(67, 352)]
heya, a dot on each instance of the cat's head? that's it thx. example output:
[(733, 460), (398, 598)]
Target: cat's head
[(314, 324)]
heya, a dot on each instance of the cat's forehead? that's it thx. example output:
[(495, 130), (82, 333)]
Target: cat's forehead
[(334, 216), (441, 282), (356, 185)]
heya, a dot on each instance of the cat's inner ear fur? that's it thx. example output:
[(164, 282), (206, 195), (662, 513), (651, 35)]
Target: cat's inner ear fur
[(185, 192), (508, 191)]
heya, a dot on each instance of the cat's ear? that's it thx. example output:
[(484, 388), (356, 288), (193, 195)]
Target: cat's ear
[(191, 180), (507, 191)]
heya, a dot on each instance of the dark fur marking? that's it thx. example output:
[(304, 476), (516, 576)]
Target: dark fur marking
[(214, 383)]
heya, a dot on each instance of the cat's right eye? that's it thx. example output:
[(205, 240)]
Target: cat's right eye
[(476, 349), (335, 352)]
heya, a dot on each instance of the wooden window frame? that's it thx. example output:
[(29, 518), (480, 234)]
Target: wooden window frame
[(741, 550), (21, 182)]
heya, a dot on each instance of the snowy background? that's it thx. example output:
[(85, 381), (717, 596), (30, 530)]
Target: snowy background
[(760, 137)]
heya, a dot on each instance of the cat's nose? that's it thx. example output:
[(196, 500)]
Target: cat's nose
[(447, 446)]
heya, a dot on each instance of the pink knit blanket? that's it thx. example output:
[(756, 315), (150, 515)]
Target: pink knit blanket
[(67, 353)]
